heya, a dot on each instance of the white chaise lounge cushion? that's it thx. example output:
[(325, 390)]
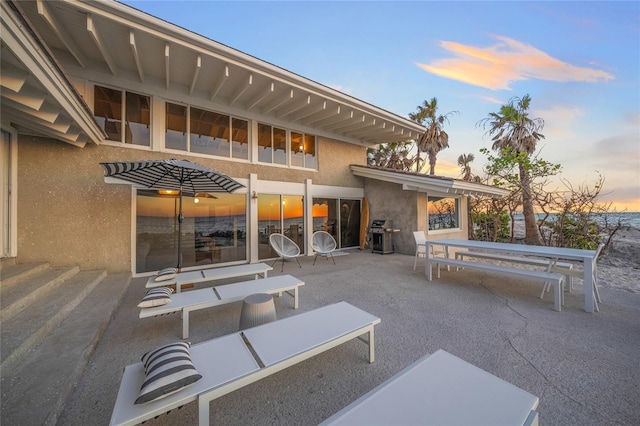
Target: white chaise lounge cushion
[(167, 370), (159, 296)]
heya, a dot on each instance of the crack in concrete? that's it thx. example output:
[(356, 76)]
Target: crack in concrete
[(522, 355)]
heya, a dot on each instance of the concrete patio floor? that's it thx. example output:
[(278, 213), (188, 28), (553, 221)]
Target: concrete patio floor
[(583, 367)]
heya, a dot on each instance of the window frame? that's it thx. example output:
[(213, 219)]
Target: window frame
[(124, 114), (458, 218), (229, 141)]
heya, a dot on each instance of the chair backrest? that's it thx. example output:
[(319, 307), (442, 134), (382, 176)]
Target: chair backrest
[(323, 242), (283, 246), (419, 237)]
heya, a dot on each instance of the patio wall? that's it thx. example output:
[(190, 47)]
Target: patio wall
[(408, 211), (68, 215)]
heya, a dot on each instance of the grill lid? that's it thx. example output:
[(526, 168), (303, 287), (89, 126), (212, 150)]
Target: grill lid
[(381, 223)]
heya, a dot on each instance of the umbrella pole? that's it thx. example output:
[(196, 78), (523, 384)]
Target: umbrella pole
[(180, 217)]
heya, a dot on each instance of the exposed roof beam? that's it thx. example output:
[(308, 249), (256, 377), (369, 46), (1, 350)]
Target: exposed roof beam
[(47, 112), (29, 96), (308, 112), (331, 121), (72, 135), (278, 102), (43, 10), (241, 90), (293, 107), (167, 64), (220, 82), (13, 78), (350, 126), (195, 74), (269, 90), (331, 112), (102, 47), (370, 130), (136, 55)]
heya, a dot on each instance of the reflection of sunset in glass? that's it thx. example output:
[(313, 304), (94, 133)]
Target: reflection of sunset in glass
[(269, 206), (320, 210), (167, 206)]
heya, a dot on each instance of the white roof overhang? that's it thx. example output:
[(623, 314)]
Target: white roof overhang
[(433, 185), (109, 42), (37, 97)]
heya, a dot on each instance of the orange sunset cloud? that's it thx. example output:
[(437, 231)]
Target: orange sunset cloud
[(496, 67)]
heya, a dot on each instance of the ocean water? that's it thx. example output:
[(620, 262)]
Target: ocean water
[(631, 219)]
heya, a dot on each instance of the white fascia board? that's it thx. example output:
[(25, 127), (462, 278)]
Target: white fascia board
[(424, 183)]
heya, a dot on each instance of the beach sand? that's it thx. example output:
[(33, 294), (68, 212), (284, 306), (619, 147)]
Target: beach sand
[(619, 267), (619, 264)]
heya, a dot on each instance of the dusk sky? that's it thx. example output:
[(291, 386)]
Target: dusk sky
[(579, 62)]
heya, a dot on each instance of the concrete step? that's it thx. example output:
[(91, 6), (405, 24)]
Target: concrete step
[(12, 273), (20, 294), (24, 330), (48, 374)]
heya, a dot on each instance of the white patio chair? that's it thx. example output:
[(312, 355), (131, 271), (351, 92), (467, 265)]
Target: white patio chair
[(284, 248), (421, 238), (324, 245)]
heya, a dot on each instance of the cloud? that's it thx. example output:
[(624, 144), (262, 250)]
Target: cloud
[(493, 100), (496, 67), (559, 120)]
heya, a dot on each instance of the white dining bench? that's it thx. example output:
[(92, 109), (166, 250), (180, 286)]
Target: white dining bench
[(236, 360), (564, 268), (553, 278), (210, 275)]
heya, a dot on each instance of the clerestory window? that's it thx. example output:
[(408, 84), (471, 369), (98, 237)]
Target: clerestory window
[(208, 132), (109, 108)]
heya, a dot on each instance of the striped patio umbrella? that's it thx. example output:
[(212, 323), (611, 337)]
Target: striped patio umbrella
[(182, 175)]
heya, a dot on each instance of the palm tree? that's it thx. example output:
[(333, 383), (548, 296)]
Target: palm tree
[(434, 139), (512, 130), (393, 155), (464, 161)]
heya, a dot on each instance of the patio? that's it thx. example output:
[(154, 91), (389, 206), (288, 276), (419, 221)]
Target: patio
[(583, 367)]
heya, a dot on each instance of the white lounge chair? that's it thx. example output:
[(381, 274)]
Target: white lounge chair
[(285, 248), (190, 301), (239, 359), (441, 389), (323, 244), (212, 274)]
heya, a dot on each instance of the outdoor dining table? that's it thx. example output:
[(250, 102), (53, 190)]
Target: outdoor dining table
[(584, 257)]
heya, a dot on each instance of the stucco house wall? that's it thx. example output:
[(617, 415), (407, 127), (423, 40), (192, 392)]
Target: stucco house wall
[(408, 211), (68, 215)]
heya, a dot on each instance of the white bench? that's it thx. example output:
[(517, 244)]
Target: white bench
[(545, 277), (441, 389), (189, 301), (239, 359), (564, 268), (212, 274)]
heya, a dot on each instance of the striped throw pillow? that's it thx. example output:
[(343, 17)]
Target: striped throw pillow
[(167, 370), (166, 274), (156, 297)]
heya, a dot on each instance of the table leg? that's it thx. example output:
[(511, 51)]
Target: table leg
[(588, 284), (427, 263)]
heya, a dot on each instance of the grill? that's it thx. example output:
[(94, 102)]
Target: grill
[(381, 233)]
